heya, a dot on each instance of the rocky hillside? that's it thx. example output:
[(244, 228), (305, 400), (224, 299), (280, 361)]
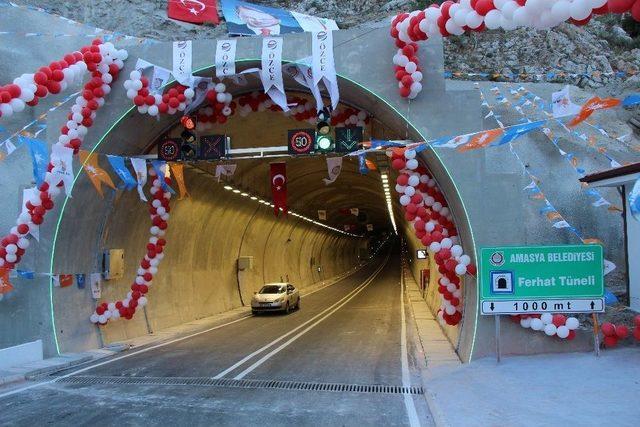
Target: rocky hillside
[(603, 45)]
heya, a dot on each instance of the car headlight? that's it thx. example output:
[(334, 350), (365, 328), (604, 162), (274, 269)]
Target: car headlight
[(281, 299)]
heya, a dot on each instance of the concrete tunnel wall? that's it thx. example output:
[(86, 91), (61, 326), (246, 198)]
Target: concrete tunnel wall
[(198, 277)]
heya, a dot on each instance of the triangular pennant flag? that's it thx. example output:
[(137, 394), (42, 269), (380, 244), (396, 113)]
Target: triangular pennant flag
[(592, 105), (5, 286), (160, 167), (481, 140), (39, 158), (140, 168), (119, 167), (62, 161), (96, 174), (178, 173)]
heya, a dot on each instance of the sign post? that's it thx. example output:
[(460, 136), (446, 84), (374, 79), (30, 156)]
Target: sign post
[(541, 279)]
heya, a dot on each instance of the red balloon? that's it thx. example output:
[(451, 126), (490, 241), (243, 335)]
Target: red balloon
[(609, 329), (620, 6), (398, 164), (635, 11), (484, 6), (636, 333), (572, 335), (585, 21), (100, 310), (610, 341), (426, 240), (450, 264), (559, 320), (622, 332)]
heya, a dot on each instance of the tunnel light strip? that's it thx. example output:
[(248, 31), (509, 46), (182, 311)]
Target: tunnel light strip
[(295, 214), (387, 196)]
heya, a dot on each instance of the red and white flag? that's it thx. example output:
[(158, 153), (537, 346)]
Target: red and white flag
[(194, 11), (279, 187)]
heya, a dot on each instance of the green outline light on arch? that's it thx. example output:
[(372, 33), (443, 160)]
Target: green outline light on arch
[(124, 115)]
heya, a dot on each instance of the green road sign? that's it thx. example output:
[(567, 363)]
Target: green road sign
[(558, 278)]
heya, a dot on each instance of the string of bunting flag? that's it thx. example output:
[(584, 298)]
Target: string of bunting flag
[(571, 158)]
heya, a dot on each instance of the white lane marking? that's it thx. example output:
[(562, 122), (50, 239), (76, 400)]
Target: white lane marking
[(414, 421), (295, 337), (277, 340), (9, 393)]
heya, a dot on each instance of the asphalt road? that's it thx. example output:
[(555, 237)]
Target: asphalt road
[(350, 333)]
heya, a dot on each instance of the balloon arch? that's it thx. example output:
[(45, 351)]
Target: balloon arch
[(456, 18)]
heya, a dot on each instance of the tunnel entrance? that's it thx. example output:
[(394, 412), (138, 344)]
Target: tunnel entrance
[(228, 220)]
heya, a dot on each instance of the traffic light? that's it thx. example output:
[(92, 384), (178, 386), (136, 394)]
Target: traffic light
[(188, 147), (324, 144)]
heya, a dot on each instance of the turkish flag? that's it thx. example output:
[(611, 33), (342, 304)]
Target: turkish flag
[(195, 11), (279, 187)]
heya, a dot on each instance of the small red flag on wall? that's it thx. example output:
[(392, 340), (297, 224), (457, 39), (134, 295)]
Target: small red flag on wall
[(279, 187), (194, 11)]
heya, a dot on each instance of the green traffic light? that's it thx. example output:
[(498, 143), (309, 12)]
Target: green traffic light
[(324, 143)]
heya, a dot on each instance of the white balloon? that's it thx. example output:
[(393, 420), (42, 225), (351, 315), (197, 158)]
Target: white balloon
[(493, 19), (525, 323), (102, 318), (416, 77), (465, 259), (189, 93), (521, 17), (446, 243), (6, 110), (142, 301), (461, 269), (11, 257), (572, 323), (405, 200), (416, 87), (414, 180), (550, 329), (460, 18), (409, 191), (135, 75), (546, 318), (535, 5), (11, 248), (400, 188), (23, 243), (561, 11), (412, 164), (456, 250), (562, 332), (153, 110), (450, 310), (411, 67), (473, 19), (435, 247), (93, 318), (499, 3), (580, 9), (220, 87), (411, 154), (536, 324)]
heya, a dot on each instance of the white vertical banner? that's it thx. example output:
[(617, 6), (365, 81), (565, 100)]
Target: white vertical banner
[(159, 78), (95, 279), (225, 58), (302, 74), (271, 73), (140, 168), (62, 160), (334, 167), (182, 62), (323, 64)]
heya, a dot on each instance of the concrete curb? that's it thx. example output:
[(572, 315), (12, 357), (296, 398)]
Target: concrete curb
[(417, 309)]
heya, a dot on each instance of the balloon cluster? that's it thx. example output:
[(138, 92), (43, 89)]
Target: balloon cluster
[(104, 62), (171, 101), (614, 333), (552, 324), (426, 209), (58, 75), (159, 211), (456, 18), (220, 107), (304, 110)]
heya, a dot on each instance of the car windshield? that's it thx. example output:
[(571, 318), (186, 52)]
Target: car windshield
[(272, 289)]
